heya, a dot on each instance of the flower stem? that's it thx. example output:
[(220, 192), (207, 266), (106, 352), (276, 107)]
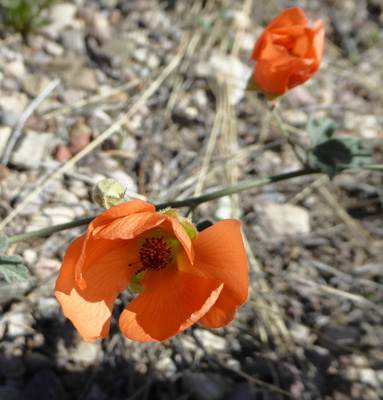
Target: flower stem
[(191, 202), (285, 132), (240, 187)]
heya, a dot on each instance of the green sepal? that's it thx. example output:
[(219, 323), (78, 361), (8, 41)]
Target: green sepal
[(135, 285)]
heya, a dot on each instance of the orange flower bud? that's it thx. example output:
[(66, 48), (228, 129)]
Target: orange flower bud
[(288, 53)]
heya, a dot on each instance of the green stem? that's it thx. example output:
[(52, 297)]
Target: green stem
[(285, 132), (191, 202), (49, 230), (194, 201)]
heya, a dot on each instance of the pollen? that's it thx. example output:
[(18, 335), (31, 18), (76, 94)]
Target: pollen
[(155, 254)]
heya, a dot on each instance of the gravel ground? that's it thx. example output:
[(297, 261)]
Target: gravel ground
[(138, 90)]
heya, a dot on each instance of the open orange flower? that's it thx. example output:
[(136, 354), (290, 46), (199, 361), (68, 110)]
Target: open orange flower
[(288, 53), (183, 276)]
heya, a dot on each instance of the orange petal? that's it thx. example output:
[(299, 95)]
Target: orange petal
[(222, 312), (172, 301), (90, 310), (220, 255), (136, 224), (120, 211)]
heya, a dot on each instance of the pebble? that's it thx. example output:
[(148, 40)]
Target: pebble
[(286, 220), (73, 40), (53, 48), (368, 377), (86, 80), (51, 215), (125, 180), (45, 267), (19, 323), (34, 147), (34, 84), (86, 353), (30, 257), (319, 356), (211, 342)]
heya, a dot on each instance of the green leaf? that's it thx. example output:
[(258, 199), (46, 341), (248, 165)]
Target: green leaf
[(332, 155), (320, 130), (14, 259), (3, 242), (14, 271)]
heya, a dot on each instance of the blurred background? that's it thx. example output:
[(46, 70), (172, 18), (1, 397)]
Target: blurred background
[(151, 93)]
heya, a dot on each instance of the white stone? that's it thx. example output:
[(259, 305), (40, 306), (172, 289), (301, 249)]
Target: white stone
[(224, 208), (86, 353), (212, 343), (286, 220), (368, 377)]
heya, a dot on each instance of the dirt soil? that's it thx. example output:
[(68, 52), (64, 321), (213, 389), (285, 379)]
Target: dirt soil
[(150, 93)]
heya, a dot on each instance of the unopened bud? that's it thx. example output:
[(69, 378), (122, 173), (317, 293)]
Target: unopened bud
[(108, 193)]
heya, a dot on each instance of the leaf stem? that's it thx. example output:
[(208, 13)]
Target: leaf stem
[(191, 202)]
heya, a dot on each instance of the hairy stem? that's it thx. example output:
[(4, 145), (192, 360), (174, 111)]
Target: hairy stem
[(191, 202)]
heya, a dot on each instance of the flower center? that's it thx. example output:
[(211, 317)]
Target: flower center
[(155, 254)]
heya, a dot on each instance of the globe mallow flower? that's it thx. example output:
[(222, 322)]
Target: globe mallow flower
[(288, 53), (181, 276)]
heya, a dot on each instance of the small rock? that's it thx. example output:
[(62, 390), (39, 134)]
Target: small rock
[(319, 356), (63, 153), (34, 84), (224, 208), (344, 335), (53, 48), (368, 377), (71, 96), (166, 367), (15, 68), (73, 40), (19, 323), (127, 182), (101, 27), (51, 215), (80, 135), (33, 148), (30, 257), (86, 80), (86, 353), (286, 220), (211, 342), (45, 267), (120, 50), (63, 13)]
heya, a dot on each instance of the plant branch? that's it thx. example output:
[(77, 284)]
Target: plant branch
[(191, 202)]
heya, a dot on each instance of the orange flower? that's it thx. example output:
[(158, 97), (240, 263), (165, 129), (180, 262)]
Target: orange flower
[(184, 276), (288, 53)]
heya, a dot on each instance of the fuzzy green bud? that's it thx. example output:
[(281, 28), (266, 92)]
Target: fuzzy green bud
[(108, 193)]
